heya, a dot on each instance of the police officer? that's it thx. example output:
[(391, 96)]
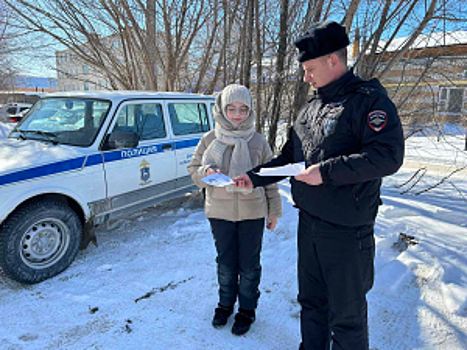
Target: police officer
[(350, 136)]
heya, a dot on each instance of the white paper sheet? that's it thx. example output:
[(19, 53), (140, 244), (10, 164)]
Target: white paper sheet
[(218, 180), (286, 170)]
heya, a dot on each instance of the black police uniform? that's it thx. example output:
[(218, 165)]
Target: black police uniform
[(352, 129)]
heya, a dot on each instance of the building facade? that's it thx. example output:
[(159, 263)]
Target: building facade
[(121, 61), (75, 75), (431, 80)]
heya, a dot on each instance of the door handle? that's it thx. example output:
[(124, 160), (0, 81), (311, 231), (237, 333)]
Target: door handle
[(167, 147)]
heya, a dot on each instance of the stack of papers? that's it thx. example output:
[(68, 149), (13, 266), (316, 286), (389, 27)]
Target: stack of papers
[(218, 180), (286, 170)]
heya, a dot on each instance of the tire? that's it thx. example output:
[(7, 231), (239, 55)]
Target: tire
[(39, 240)]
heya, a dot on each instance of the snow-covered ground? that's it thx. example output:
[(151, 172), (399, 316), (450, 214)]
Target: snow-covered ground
[(5, 129), (151, 283)]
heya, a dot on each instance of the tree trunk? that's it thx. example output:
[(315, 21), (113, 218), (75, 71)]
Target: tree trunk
[(249, 43), (279, 76), (151, 80), (313, 15), (259, 67)]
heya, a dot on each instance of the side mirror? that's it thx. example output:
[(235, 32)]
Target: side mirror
[(121, 139)]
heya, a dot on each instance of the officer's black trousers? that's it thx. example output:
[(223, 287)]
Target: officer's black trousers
[(238, 246), (335, 272)]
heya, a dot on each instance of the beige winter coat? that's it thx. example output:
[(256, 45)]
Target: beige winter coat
[(236, 206)]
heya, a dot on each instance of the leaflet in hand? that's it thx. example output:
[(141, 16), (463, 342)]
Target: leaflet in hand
[(218, 180), (286, 170)]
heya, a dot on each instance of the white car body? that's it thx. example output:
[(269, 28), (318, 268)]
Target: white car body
[(96, 183)]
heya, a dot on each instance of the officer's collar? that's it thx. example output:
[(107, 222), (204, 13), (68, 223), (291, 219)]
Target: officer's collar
[(327, 92)]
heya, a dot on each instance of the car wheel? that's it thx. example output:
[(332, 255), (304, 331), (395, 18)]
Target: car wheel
[(39, 240)]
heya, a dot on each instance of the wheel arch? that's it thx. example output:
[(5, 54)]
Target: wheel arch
[(73, 204), (57, 197)]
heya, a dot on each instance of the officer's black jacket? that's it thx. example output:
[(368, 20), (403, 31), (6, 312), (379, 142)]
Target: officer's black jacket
[(353, 130)]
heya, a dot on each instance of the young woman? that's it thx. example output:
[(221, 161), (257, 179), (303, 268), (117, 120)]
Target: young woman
[(237, 215)]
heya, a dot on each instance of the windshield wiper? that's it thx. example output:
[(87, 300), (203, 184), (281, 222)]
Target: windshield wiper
[(49, 135), (21, 133)]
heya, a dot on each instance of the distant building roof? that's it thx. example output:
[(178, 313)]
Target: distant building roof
[(429, 40)]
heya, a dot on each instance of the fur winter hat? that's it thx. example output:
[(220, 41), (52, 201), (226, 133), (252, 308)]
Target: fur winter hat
[(321, 39)]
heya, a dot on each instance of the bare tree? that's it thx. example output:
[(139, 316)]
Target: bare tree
[(259, 64), (7, 73), (313, 15), (154, 36), (208, 48), (248, 47), (279, 81)]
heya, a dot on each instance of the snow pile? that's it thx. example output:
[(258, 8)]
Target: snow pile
[(5, 129)]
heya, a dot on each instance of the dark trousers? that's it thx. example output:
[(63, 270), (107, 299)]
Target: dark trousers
[(335, 272), (238, 246)]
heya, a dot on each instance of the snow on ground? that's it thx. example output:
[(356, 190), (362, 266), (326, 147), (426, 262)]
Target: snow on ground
[(5, 129), (151, 283), (447, 151)]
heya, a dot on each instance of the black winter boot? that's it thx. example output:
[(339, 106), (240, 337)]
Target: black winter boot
[(243, 320), (221, 315)]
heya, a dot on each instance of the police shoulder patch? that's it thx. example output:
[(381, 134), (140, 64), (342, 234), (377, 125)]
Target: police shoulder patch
[(377, 120)]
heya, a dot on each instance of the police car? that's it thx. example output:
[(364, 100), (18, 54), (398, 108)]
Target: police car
[(80, 159)]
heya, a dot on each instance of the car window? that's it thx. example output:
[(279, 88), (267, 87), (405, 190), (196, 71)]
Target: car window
[(73, 121), (11, 110), (188, 118), (146, 120)]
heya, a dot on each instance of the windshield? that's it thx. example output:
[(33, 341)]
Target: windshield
[(67, 120)]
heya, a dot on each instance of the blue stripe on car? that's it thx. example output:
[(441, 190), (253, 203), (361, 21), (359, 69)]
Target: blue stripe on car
[(43, 170), (186, 143), (91, 160)]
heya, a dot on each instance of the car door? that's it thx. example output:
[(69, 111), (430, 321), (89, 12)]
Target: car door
[(138, 175), (189, 121)]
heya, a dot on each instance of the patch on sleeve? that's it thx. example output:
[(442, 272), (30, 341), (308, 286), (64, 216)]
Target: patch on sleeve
[(377, 120)]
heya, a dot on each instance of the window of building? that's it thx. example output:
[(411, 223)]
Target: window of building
[(86, 86), (451, 100), (444, 94), (188, 118), (85, 69)]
